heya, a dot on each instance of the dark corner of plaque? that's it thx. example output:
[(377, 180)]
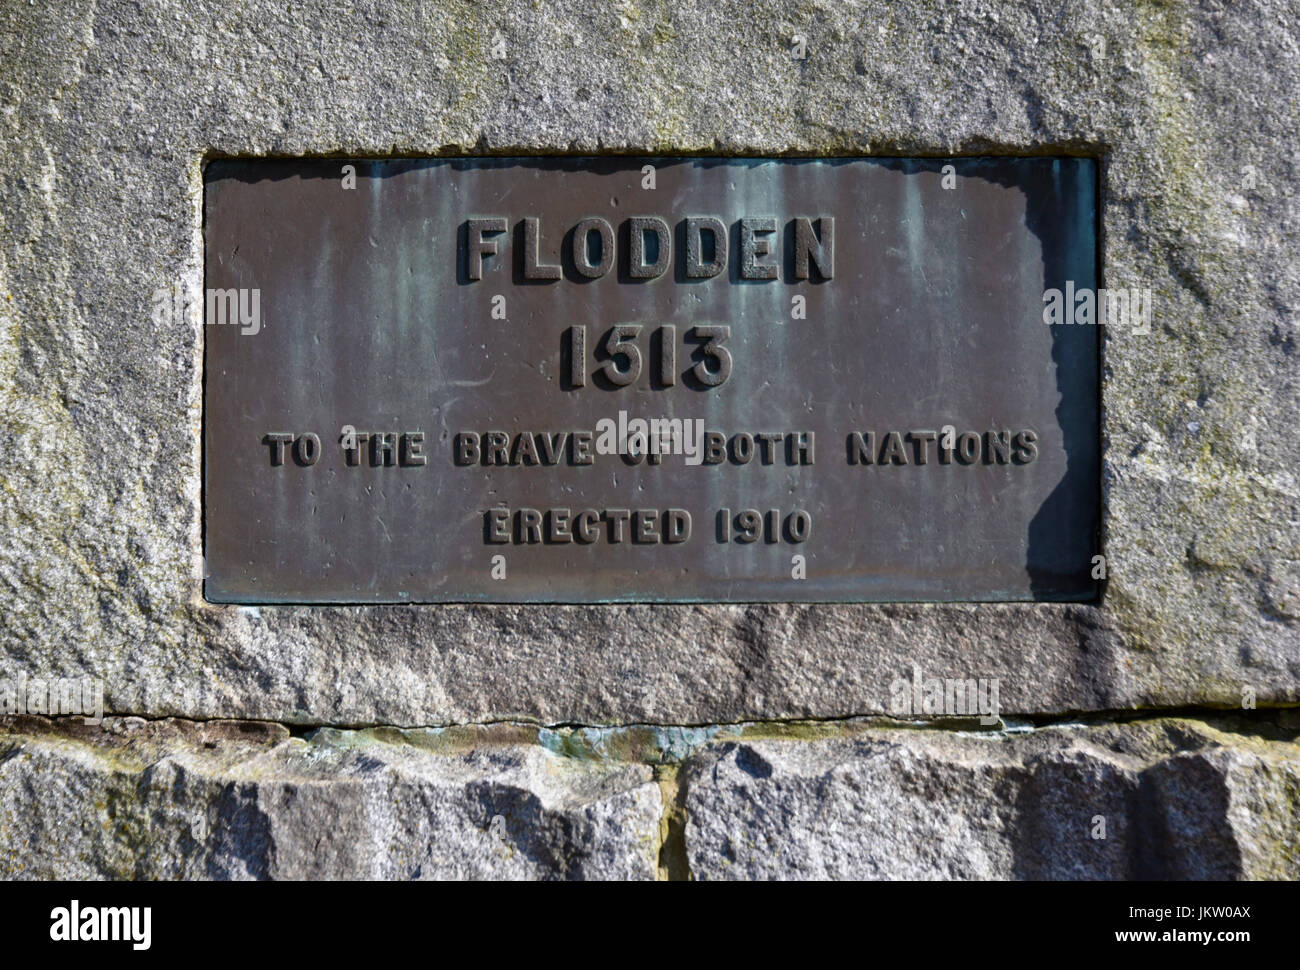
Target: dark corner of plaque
[(1064, 535)]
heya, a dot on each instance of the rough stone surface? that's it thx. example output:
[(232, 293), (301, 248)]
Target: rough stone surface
[(177, 800), (108, 112), (1178, 799), (1181, 799)]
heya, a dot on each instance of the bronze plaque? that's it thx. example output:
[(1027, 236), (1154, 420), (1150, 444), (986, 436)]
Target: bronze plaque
[(585, 380)]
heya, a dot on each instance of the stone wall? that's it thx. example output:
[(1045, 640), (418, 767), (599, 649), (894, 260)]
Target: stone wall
[(643, 740), (1149, 798)]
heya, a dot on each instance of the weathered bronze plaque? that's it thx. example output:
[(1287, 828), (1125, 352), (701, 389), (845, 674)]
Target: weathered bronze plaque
[(660, 379)]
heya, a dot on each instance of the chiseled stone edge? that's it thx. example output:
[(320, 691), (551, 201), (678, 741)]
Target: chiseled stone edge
[(236, 800), (1167, 798), (1179, 798)]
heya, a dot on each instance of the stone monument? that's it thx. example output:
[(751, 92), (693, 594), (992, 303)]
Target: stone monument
[(649, 441)]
